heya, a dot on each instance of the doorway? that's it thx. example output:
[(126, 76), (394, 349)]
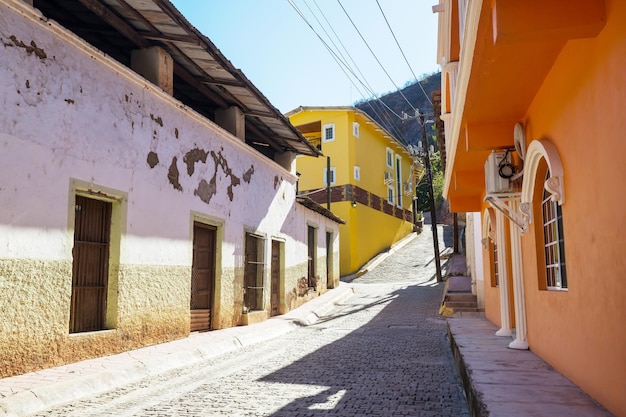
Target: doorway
[(202, 276), (275, 280)]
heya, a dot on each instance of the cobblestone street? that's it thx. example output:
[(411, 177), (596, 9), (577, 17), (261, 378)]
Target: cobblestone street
[(383, 352)]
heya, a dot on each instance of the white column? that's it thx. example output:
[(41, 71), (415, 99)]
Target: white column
[(520, 341), (156, 65), (478, 279), (505, 317), (233, 120)]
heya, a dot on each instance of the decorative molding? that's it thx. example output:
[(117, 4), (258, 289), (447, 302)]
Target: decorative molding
[(527, 212), (543, 149), (485, 243), (553, 186)]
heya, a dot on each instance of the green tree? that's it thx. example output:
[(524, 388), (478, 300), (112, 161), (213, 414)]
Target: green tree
[(423, 203)]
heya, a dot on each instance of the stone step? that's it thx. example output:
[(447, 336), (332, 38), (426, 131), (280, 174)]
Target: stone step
[(461, 304), (468, 310), (460, 297)]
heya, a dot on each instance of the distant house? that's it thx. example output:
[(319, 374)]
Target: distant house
[(533, 102), (148, 188), (371, 178)]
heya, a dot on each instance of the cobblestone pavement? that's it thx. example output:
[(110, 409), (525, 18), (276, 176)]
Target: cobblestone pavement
[(383, 352)]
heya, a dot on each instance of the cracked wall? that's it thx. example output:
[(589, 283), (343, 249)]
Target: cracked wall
[(71, 113)]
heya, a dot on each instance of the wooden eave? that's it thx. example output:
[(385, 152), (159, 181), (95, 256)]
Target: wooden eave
[(312, 205), (207, 80), (515, 44)]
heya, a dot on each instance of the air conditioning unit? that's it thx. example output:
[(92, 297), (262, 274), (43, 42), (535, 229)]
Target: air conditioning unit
[(494, 181), (388, 177), (408, 188)]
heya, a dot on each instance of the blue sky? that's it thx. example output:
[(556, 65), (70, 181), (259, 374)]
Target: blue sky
[(285, 59)]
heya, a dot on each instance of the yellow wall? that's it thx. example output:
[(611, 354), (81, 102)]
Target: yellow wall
[(368, 231), (580, 108)]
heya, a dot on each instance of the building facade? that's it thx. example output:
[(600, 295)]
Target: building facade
[(533, 100), (372, 179), (148, 189)]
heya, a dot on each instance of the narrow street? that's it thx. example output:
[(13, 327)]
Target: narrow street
[(383, 352)]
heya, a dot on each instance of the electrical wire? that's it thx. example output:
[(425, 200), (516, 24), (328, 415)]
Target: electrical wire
[(337, 59), (375, 57), (345, 67), (402, 52)]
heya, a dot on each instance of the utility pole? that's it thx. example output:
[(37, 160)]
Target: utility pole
[(328, 182), (431, 195)]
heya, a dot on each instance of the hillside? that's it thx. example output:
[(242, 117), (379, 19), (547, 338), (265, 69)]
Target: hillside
[(407, 131)]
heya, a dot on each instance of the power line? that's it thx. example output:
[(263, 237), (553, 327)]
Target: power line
[(375, 57), (343, 65), (403, 55)]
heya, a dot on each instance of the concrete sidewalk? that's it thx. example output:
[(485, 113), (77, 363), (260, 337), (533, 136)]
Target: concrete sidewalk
[(35, 391), (503, 382)]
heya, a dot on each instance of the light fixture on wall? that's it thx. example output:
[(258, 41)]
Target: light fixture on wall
[(354, 203)]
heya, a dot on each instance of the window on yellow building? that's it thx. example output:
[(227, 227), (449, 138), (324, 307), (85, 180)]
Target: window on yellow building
[(390, 158), (328, 132), (390, 194), (333, 176), (399, 180)]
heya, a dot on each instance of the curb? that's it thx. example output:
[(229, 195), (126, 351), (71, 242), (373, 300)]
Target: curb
[(47, 396), (374, 262), (474, 399)]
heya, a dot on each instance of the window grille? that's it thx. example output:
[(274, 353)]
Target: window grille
[(329, 132), (496, 272), (554, 245)]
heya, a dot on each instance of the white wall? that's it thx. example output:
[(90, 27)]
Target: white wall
[(78, 114)]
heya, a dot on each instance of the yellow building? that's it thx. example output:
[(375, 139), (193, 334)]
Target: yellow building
[(534, 93), (371, 179)]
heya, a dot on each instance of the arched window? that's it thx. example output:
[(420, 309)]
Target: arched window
[(553, 242), (542, 200), (489, 243)]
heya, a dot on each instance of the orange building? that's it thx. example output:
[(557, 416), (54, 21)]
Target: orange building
[(534, 100)]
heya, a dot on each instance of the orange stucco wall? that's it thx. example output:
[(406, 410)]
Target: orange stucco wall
[(581, 107), (492, 294)]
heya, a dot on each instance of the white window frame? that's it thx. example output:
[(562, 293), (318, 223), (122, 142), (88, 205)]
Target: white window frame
[(333, 176), (389, 158), (398, 172), (553, 244), (391, 191), (327, 126), (357, 173), (356, 129)]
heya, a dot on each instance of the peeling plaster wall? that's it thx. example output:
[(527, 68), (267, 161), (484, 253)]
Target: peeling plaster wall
[(72, 115)]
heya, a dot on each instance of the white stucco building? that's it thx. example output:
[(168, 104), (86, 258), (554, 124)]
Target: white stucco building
[(148, 188)]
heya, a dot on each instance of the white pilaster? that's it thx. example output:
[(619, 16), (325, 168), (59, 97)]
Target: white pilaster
[(501, 241), (520, 341)]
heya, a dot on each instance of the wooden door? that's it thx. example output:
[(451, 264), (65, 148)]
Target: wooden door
[(275, 282), (202, 276), (311, 252), (90, 266), (329, 260)]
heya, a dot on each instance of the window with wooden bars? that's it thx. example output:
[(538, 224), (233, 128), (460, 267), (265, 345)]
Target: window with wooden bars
[(90, 265), (253, 273)]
